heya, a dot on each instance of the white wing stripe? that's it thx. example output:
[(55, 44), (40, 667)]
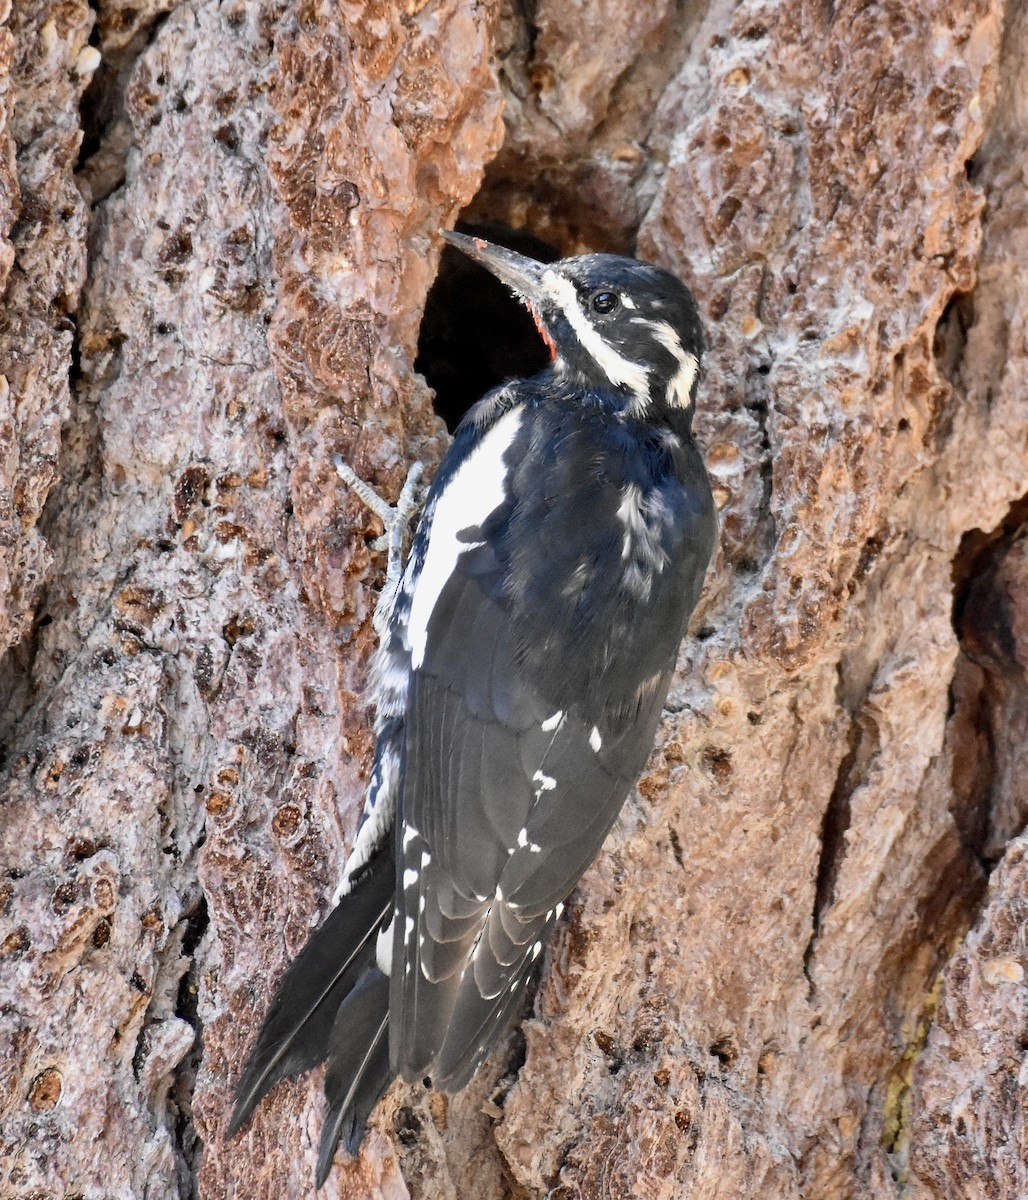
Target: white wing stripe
[(475, 491)]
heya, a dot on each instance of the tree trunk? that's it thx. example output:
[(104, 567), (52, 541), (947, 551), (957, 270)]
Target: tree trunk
[(797, 968)]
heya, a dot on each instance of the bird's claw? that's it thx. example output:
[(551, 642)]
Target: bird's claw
[(397, 521)]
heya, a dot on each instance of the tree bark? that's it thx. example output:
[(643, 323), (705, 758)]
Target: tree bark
[(798, 967)]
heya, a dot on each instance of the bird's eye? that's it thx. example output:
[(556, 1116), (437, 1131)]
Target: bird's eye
[(604, 302)]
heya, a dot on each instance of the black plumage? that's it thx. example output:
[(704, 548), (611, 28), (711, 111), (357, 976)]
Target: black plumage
[(526, 657)]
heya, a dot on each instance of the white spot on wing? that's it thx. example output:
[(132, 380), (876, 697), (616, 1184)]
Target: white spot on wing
[(523, 837), (384, 948), (553, 722), (409, 878), (546, 783), (595, 739), (475, 491), (620, 371)]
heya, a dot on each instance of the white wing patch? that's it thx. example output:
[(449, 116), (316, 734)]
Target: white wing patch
[(475, 491), (620, 371), (384, 948)]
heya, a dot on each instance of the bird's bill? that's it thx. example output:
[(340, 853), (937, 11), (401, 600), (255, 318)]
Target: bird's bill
[(522, 275)]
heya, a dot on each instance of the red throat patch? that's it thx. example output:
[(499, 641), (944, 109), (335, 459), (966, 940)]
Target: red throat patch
[(551, 345)]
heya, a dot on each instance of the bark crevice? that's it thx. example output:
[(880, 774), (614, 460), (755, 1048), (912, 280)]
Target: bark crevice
[(990, 687)]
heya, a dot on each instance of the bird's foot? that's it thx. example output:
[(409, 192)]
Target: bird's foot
[(397, 521)]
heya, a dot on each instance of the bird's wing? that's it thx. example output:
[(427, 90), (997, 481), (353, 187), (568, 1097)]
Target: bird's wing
[(509, 789)]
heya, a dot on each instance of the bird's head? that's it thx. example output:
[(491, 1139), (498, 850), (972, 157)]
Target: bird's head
[(615, 322)]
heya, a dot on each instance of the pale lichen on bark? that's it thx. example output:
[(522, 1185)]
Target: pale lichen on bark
[(785, 975)]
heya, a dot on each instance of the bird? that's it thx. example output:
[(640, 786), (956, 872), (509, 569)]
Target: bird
[(526, 648)]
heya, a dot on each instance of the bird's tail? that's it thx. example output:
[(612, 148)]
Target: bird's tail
[(332, 1006)]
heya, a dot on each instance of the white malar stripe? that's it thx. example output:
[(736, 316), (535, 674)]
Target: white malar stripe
[(384, 948), (551, 723), (620, 371), (679, 388), (475, 491), (595, 740)]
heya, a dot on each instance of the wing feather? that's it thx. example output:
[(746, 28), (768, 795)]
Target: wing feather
[(520, 749)]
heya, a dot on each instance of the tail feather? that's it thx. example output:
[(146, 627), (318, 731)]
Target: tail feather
[(298, 1030), (475, 1027), (358, 1071)]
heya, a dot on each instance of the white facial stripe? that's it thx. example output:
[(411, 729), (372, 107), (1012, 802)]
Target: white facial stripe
[(472, 494), (620, 371), (679, 388)]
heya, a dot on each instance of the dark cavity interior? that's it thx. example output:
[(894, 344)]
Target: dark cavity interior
[(474, 334)]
